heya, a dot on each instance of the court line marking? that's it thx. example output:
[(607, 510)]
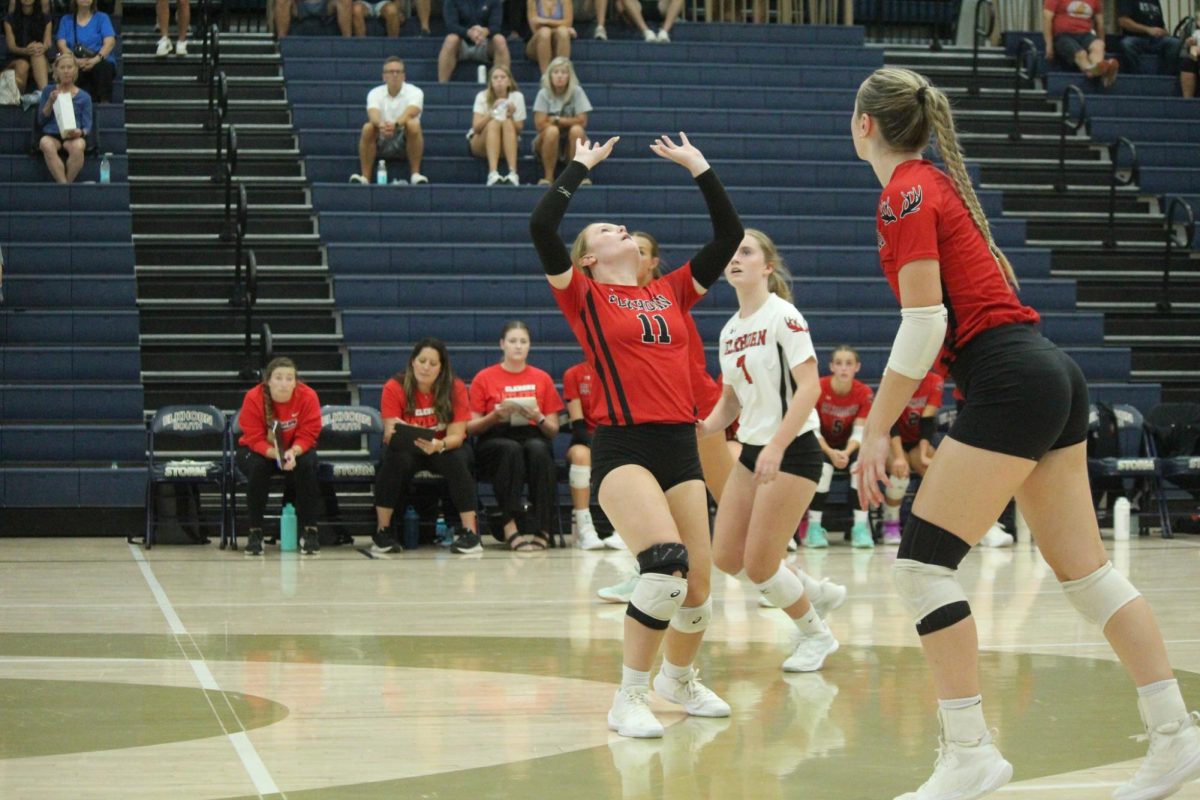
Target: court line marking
[(259, 775)]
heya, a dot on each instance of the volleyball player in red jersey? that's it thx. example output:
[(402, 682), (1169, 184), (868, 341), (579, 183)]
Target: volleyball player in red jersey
[(912, 449), (645, 465), (843, 406), (957, 295)]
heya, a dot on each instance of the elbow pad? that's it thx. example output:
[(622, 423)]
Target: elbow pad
[(921, 335), (928, 426)]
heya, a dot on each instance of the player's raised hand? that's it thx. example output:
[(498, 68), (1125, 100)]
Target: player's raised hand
[(684, 154), (590, 153)]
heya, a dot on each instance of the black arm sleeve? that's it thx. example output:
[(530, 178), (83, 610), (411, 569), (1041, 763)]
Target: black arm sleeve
[(708, 264), (548, 215), (928, 427)]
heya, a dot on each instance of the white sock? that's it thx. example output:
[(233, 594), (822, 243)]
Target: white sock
[(810, 624), (634, 679), (814, 517), (1161, 703), (672, 671), (962, 719), (891, 513), (860, 517), (582, 514)]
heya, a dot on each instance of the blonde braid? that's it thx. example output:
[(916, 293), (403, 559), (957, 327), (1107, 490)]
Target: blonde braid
[(937, 106)]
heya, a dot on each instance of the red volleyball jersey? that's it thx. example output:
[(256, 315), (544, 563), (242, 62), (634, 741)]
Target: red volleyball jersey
[(299, 420), (493, 385), (637, 341), (394, 405), (705, 391), (838, 411), (579, 383), (928, 395), (921, 216)]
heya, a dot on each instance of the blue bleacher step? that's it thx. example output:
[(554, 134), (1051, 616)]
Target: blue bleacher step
[(68, 326), (69, 441), (46, 362), (68, 291), (24, 169), (24, 257), (74, 198), (108, 226), (1127, 86), (98, 485), (67, 401)]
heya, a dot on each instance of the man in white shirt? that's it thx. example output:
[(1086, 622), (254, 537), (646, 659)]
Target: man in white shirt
[(393, 124)]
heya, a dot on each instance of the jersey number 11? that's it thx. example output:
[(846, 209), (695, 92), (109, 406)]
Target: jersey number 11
[(648, 336)]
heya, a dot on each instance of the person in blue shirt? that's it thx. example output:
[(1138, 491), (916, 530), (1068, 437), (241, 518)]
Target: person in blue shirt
[(474, 35), (71, 141), (89, 35)]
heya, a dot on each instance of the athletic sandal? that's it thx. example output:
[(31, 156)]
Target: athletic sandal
[(525, 543)]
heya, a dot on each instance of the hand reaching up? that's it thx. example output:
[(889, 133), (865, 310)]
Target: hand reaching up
[(684, 154), (590, 153)]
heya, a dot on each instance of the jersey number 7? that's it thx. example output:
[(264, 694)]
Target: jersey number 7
[(741, 362), (648, 336)]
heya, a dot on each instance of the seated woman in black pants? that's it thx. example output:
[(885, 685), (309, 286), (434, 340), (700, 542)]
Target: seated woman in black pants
[(426, 395), (281, 421), (514, 412)]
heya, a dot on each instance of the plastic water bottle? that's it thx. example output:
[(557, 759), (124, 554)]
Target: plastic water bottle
[(412, 529), (481, 74), (106, 168), (443, 533), (1121, 519), (381, 175), (288, 540)]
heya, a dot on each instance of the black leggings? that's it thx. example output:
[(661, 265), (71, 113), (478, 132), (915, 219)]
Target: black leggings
[(508, 463), (399, 466), (303, 480), (98, 81)]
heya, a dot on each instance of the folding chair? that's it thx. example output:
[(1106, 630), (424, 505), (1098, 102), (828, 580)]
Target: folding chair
[(189, 421), (1134, 462)]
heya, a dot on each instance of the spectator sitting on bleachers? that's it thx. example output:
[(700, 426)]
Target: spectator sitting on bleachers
[(287, 10), (552, 23), (426, 395), (499, 116), (1189, 62), (393, 124), (1142, 23), (90, 36), (74, 141), (27, 33), (281, 422), (474, 35), (637, 12), (390, 11), (183, 18), (514, 412), (560, 114), (1074, 34)]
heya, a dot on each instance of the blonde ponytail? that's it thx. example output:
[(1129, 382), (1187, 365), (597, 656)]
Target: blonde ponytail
[(779, 279)]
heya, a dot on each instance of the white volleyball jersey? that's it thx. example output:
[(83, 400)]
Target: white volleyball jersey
[(757, 356)]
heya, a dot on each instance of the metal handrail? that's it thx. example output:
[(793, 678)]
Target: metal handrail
[(1026, 51), (1131, 177), (222, 111), (209, 42), (225, 171), (1073, 127), (266, 344), (973, 88), (248, 370), (238, 294), (1181, 30), (1189, 230)]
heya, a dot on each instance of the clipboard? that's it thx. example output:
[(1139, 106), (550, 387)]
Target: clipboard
[(405, 436)]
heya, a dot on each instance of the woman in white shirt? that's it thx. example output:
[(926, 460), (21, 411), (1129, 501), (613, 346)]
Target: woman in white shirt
[(771, 386), (499, 118)]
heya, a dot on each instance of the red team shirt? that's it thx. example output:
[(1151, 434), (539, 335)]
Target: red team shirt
[(579, 383), (705, 390), (637, 340), (493, 385), (928, 395), (838, 411), (394, 405), (1073, 16), (921, 216), (299, 420)]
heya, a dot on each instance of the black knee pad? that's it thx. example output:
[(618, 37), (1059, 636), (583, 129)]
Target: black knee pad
[(930, 544), (665, 559)]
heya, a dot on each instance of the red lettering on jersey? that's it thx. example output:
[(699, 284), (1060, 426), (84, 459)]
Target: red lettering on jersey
[(746, 341)]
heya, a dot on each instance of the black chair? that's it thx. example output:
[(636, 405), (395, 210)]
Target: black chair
[(1135, 462), (188, 421), (1175, 428)]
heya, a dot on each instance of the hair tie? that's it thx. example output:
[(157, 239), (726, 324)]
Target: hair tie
[(921, 95)]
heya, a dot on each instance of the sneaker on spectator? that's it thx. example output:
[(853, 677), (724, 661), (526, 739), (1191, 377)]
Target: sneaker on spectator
[(382, 542), (696, 698), (891, 531), (254, 542), (30, 100), (815, 539), (630, 714), (614, 542), (493, 178), (600, 33), (1109, 68), (467, 543), (310, 543), (649, 36), (164, 47), (416, 179), (663, 36), (356, 178), (860, 536), (513, 178), (181, 48), (619, 593)]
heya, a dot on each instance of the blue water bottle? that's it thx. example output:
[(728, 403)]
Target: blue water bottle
[(443, 533), (412, 529), (106, 168), (381, 173), (288, 541)]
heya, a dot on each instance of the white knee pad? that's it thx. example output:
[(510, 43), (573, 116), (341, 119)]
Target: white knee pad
[(896, 488), (826, 478), (783, 588), (1101, 594), (692, 619), (579, 477), (925, 588), (656, 598)]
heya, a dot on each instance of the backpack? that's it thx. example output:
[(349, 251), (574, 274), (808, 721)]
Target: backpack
[(1103, 439), (1176, 429)]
